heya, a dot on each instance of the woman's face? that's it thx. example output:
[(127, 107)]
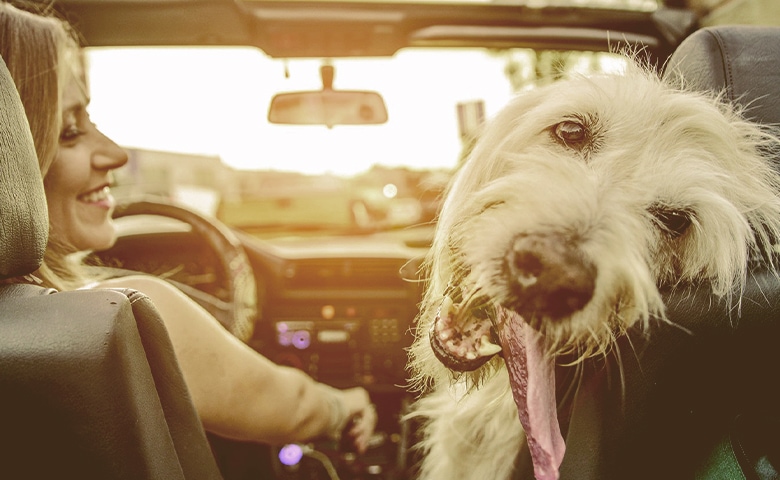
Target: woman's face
[(77, 183)]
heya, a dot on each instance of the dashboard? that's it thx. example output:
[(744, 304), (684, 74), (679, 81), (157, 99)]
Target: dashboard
[(340, 308)]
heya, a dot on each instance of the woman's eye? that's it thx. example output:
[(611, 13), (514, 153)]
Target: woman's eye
[(571, 134), (70, 133)]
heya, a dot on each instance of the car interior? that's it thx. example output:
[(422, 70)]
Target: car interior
[(91, 387)]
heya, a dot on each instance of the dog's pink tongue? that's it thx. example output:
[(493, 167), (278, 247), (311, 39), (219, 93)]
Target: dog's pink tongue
[(532, 376)]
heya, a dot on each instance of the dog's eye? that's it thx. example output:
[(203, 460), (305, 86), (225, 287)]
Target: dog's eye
[(571, 134), (674, 221), (493, 204)]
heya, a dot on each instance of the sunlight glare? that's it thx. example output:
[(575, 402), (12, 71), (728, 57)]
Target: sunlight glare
[(214, 101)]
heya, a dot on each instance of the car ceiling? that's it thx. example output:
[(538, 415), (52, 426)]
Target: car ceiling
[(346, 29)]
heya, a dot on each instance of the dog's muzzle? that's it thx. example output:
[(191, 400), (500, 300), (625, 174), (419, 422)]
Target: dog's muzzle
[(548, 278)]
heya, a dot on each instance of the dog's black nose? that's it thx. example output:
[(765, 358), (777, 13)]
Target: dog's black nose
[(548, 277)]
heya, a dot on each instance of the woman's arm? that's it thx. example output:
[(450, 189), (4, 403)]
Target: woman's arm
[(237, 392)]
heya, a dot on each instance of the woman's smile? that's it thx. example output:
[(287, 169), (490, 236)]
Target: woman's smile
[(99, 197)]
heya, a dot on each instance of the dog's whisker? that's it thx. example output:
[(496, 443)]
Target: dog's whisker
[(621, 370), (678, 327)]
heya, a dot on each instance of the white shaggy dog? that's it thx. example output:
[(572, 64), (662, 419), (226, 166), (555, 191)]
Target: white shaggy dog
[(577, 202)]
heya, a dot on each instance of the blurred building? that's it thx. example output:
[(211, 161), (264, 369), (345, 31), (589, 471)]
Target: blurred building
[(199, 181), (717, 12)]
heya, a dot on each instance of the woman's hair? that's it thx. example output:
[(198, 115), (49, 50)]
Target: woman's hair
[(42, 54)]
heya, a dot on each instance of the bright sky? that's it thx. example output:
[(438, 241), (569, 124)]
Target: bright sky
[(215, 102)]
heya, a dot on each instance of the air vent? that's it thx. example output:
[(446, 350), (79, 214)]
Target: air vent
[(366, 273)]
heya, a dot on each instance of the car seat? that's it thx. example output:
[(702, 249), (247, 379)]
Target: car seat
[(89, 385), (699, 397)]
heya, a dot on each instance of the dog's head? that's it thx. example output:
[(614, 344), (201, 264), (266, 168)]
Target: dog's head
[(581, 198)]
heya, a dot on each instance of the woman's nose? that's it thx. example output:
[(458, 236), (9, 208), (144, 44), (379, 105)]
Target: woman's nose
[(108, 155)]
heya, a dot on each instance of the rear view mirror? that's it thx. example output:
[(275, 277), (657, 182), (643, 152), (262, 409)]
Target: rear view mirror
[(328, 106)]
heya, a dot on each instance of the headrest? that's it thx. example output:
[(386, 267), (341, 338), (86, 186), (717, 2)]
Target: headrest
[(24, 222), (740, 60)]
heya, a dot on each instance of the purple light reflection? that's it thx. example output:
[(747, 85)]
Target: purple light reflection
[(301, 339), (290, 454)]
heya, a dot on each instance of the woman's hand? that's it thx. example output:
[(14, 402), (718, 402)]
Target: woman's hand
[(362, 417)]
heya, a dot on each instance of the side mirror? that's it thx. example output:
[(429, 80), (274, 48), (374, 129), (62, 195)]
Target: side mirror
[(328, 107)]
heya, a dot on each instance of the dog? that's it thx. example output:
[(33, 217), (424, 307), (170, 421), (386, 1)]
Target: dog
[(578, 200)]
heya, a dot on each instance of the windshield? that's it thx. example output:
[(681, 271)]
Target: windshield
[(194, 121)]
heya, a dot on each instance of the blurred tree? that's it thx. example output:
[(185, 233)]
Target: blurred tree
[(526, 68)]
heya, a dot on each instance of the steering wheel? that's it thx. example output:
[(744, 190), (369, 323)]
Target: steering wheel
[(237, 311)]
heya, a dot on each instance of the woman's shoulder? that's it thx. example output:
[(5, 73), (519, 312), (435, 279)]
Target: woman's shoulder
[(150, 285), (169, 300)]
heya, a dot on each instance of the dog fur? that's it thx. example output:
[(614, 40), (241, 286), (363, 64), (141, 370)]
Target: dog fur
[(638, 183)]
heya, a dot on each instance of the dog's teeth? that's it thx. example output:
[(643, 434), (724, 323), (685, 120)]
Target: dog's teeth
[(471, 356), (487, 348), (526, 280), (447, 307)]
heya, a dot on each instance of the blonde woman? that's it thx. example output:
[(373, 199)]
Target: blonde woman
[(238, 393)]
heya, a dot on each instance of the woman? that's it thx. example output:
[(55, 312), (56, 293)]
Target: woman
[(238, 393)]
